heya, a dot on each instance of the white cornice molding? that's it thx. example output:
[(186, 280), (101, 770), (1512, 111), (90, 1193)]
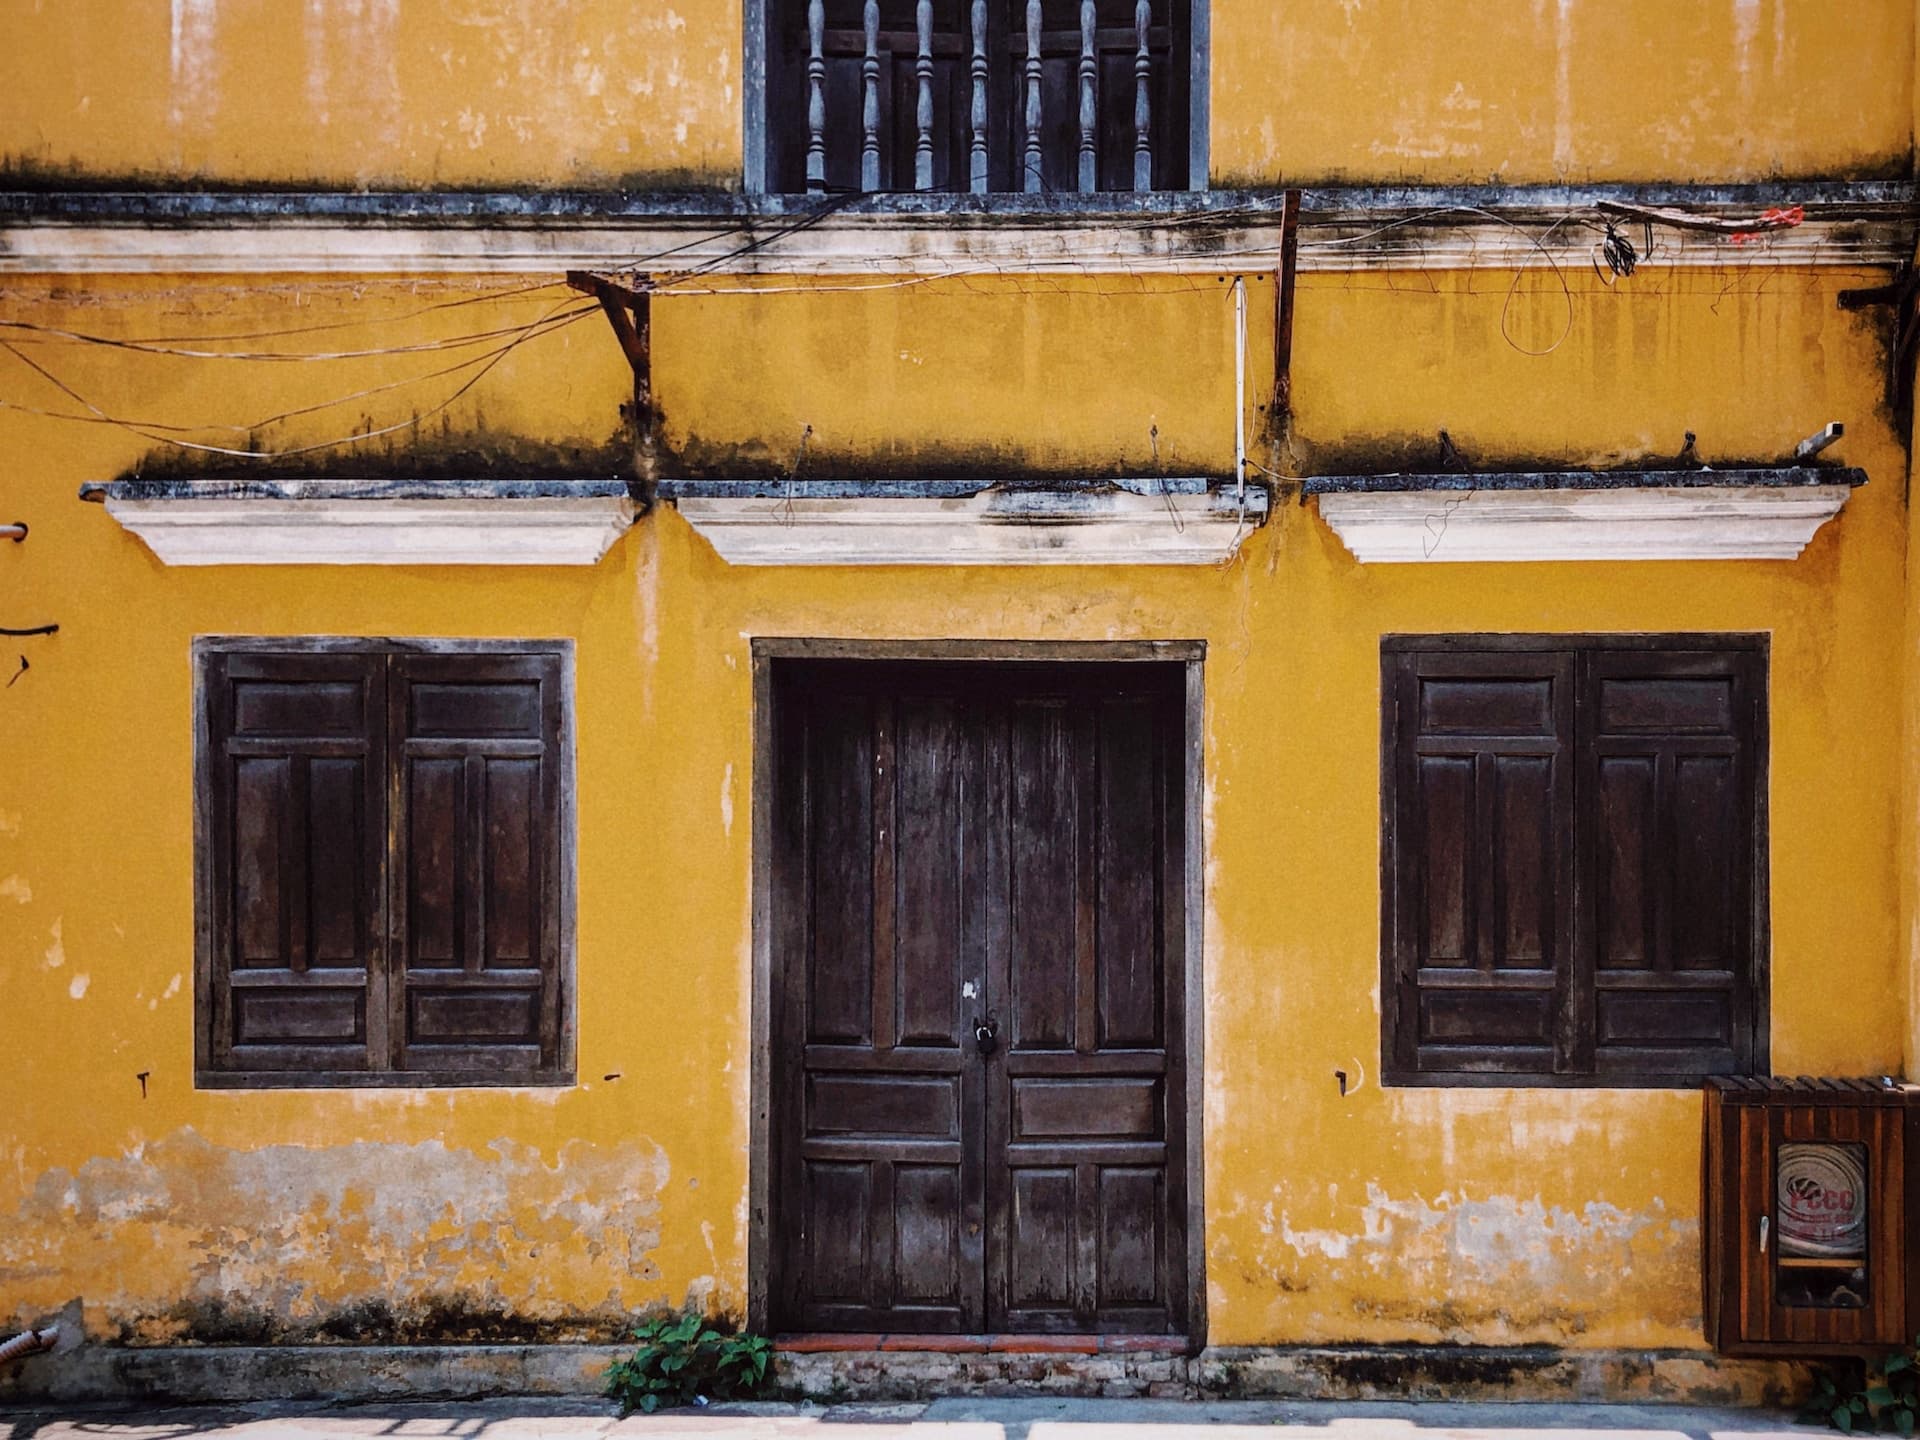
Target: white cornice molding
[(378, 523), (1132, 523), (1619, 521), (908, 246)]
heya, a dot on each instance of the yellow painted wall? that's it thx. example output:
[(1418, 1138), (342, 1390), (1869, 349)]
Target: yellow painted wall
[(371, 92), (1488, 1216), (545, 92), (1471, 91)]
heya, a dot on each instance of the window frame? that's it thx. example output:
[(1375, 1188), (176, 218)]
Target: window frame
[(756, 125), (1758, 979), (208, 1075)]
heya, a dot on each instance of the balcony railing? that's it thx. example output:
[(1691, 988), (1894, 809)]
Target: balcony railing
[(1020, 97)]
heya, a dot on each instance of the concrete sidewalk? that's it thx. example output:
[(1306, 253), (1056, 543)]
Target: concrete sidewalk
[(953, 1419)]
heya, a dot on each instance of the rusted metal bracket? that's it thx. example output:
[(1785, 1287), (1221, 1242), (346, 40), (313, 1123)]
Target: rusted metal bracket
[(1903, 359), (1280, 411), (628, 303)]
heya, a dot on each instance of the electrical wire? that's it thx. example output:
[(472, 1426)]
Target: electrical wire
[(168, 434), (535, 328), (359, 437), (457, 342), (165, 344), (484, 298), (686, 283)]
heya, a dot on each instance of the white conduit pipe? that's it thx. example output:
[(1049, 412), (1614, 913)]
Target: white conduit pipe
[(29, 1342), (1240, 388)]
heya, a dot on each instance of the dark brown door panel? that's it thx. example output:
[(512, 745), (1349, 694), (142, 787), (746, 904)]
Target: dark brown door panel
[(978, 1112)]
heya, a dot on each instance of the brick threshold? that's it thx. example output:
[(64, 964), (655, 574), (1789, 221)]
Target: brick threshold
[(984, 1344)]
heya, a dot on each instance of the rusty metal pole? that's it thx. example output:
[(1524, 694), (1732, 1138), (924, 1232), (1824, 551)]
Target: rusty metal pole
[(1280, 411), (629, 309), (646, 413)]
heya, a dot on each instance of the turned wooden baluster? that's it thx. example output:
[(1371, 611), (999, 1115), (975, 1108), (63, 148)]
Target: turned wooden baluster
[(978, 117), (1030, 166), (1142, 98), (816, 95), (1089, 114), (870, 102), (923, 108)]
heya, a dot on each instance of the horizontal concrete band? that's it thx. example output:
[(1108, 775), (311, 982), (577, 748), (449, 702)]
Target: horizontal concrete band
[(720, 234), (216, 1373), (892, 249)]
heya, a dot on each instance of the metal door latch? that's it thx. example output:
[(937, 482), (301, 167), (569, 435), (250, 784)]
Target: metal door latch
[(986, 1035)]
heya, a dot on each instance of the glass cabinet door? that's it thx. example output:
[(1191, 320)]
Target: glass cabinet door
[(1831, 1261), (1820, 1225)]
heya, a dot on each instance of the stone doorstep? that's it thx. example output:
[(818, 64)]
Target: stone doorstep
[(225, 1374), (984, 1344)]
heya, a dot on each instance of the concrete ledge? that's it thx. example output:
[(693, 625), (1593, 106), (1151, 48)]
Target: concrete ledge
[(238, 1373), (1133, 521), (1744, 514), (133, 231), (371, 522)]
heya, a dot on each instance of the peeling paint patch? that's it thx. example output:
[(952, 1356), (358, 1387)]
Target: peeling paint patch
[(1563, 88), (1495, 1269), (726, 801), (15, 887), (192, 58), (9, 823), (77, 989), (56, 951), (183, 1239)]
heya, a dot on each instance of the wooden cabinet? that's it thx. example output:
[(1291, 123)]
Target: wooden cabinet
[(1810, 1216)]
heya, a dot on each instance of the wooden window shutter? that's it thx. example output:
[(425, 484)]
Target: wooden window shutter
[(1574, 866), (1669, 774), (475, 910), (294, 826), (1478, 860)]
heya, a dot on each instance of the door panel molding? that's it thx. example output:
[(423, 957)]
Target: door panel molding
[(1116, 1186)]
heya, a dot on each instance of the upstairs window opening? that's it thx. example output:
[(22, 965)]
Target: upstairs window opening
[(1020, 97)]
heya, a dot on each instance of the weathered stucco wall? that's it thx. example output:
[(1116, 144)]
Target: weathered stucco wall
[(371, 92), (1488, 1216), (545, 92), (1468, 91)]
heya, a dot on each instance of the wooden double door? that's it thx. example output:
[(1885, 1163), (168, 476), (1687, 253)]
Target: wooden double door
[(978, 1102)]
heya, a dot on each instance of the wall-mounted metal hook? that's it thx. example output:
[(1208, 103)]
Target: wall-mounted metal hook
[(15, 532)]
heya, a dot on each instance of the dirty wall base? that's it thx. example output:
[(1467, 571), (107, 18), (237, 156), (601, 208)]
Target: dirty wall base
[(231, 1373)]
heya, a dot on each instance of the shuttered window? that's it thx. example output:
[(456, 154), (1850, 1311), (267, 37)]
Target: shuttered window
[(384, 897), (1574, 859)]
